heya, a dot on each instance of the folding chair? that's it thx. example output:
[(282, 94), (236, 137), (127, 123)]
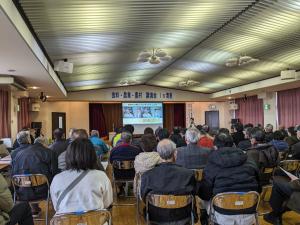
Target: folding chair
[(125, 165), (291, 166), (32, 181), (264, 206), (95, 217), (169, 202), (235, 202), (266, 175)]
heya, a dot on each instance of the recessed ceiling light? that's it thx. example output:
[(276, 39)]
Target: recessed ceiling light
[(229, 97), (11, 70), (34, 87)]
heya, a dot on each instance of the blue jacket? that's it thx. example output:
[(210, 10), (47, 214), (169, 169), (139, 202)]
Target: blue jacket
[(101, 147), (280, 145)]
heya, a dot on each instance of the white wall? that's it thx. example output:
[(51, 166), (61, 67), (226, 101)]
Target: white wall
[(77, 115), (198, 111), (270, 116)]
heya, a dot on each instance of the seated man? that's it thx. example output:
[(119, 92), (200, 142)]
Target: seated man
[(296, 147), (101, 147), (60, 144), (36, 159), (192, 156), (246, 143), (124, 151), (264, 155), (285, 190), (278, 141), (269, 135), (23, 140), (228, 170), (177, 138), (11, 214), (168, 178), (238, 134)]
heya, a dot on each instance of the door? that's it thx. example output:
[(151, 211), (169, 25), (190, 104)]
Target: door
[(212, 119), (58, 121)]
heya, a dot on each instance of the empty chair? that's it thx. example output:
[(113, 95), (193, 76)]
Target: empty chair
[(32, 181), (171, 202), (235, 203), (96, 217)]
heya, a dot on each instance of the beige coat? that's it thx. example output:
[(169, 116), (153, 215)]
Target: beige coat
[(6, 201), (3, 151)]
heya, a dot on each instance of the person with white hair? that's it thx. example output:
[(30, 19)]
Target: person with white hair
[(192, 156), (269, 135), (23, 139), (168, 178)]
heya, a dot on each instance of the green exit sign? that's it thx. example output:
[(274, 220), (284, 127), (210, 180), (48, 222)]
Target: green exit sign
[(267, 106)]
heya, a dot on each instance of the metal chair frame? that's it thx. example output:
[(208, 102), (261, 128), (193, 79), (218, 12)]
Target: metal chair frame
[(29, 185), (52, 222), (211, 213), (190, 198)]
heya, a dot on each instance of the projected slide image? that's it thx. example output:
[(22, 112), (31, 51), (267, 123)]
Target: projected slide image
[(142, 113)]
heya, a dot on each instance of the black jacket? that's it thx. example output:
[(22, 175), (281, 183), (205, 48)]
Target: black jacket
[(238, 137), (245, 144), (296, 151), (59, 146), (168, 178), (228, 170), (192, 156), (264, 156), (36, 159)]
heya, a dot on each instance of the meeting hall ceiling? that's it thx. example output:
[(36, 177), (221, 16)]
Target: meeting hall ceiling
[(103, 39)]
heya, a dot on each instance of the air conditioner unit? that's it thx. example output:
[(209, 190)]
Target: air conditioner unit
[(233, 106), (63, 66), (288, 74), (35, 107)]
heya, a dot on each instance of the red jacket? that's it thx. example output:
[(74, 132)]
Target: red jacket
[(206, 142)]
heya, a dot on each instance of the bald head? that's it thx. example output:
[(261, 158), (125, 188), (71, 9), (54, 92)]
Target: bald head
[(166, 149)]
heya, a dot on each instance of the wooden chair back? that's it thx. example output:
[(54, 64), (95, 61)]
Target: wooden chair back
[(290, 165), (29, 180), (198, 174), (123, 165), (169, 201), (236, 200), (97, 217)]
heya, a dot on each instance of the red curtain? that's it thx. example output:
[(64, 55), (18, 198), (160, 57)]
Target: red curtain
[(97, 119), (179, 115), (4, 115), (289, 107), (174, 115), (250, 110), (23, 114)]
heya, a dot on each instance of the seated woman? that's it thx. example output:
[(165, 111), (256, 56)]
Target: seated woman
[(228, 170), (82, 186), (147, 159), (11, 214)]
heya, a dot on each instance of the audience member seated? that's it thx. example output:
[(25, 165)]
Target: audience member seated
[(205, 141), (31, 138), (77, 133), (283, 130), (148, 130), (278, 141), (228, 170), (206, 128), (264, 155), (269, 135), (146, 160), (36, 159), (192, 156), (238, 134), (245, 144), (117, 136), (124, 151), (285, 193), (101, 147), (163, 134), (130, 129), (92, 189), (71, 134), (224, 130), (60, 144), (3, 150), (177, 138), (168, 178), (11, 214), (296, 147), (291, 139), (23, 139)]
